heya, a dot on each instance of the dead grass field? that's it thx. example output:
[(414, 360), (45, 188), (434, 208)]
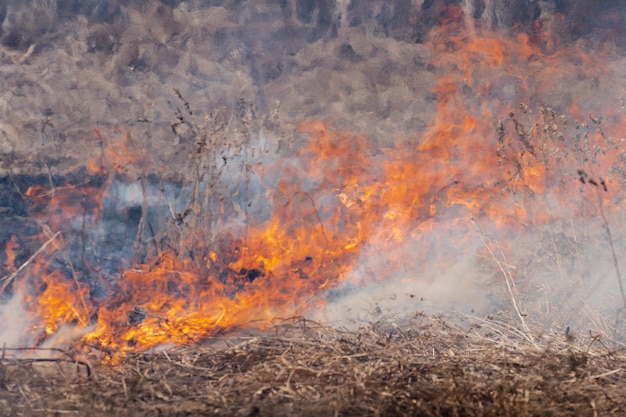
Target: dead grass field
[(175, 91), (422, 365)]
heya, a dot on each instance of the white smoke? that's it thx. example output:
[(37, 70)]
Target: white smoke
[(16, 323)]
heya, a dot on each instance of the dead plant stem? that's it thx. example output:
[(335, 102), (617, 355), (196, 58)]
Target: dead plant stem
[(618, 274), (508, 278), (7, 280)]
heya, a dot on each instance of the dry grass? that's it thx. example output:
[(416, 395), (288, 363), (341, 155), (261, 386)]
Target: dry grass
[(362, 82), (422, 366)]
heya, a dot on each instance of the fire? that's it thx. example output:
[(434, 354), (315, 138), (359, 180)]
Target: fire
[(491, 155), (9, 249)]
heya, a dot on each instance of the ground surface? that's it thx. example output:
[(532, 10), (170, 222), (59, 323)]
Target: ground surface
[(418, 366)]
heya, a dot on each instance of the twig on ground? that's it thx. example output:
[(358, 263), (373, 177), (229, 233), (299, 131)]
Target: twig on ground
[(54, 360)]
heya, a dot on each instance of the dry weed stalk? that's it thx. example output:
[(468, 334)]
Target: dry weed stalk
[(218, 138), (6, 281), (601, 186), (500, 261)]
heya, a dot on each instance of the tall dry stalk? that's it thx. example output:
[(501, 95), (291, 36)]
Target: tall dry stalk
[(499, 259)]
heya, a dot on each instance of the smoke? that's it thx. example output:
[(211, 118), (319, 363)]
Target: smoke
[(15, 321), (558, 272), (410, 278), (553, 276), (20, 328), (232, 82)]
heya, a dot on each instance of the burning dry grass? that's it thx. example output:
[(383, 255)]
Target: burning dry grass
[(427, 366), (504, 186)]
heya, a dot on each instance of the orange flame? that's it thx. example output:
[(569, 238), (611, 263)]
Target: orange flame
[(9, 249), (484, 156)]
